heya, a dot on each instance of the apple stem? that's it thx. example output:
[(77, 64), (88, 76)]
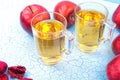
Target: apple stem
[(31, 9)]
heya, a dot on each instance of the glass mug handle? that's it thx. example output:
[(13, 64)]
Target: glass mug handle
[(111, 25), (69, 41)]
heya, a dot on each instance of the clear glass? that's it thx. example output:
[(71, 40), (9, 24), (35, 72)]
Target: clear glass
[(51, 37), (92, 26)]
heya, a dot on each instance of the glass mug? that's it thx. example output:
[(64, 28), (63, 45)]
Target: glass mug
[(92, 26), (51, 37)]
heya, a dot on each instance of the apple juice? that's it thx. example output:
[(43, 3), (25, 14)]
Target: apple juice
[(89, 29), (50, 43)]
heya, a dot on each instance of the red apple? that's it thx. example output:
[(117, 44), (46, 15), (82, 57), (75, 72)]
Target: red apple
[(3, 67), (116, 45), (3, 77), (40, 17), (113, 69), (66, 8), (28, 13), (116, 17)]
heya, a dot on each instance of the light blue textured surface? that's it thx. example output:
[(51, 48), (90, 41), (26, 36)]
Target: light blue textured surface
[(114, 1), (17, 47)]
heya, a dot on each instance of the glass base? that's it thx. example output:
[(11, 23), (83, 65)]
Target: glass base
[(87, 49), (50, 61)]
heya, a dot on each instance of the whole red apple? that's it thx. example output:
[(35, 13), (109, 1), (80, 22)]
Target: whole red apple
[(116, 45), (28, 13), (66, 8), (116, 17), (3, 67), (113, 69)]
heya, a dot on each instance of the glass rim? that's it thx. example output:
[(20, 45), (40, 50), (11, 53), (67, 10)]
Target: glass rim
[(92, 2), (49, 12)]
